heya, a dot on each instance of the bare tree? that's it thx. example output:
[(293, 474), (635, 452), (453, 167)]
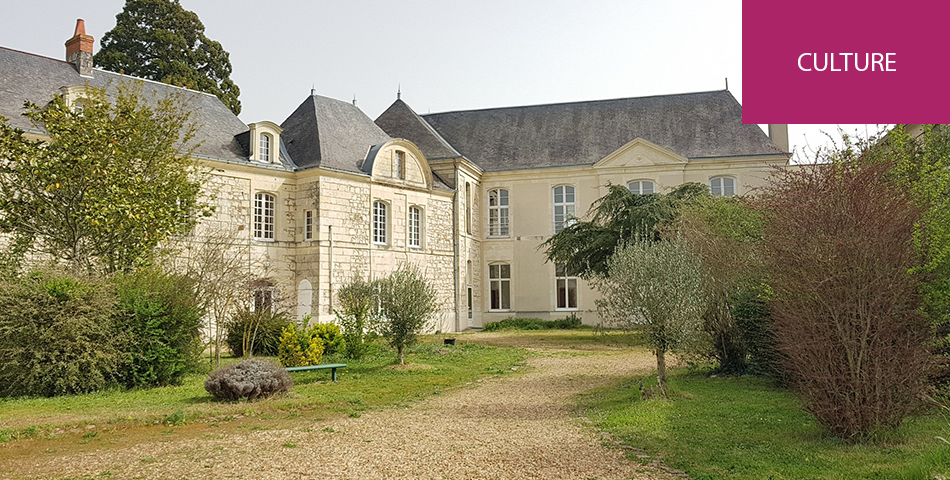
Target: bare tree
[(657, 286), (218, 258)]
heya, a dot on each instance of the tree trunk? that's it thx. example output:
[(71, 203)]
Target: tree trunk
[(399, 355), (661, 370)]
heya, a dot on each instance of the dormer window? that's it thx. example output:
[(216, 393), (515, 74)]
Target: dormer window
[(265, 148), (264, 142)]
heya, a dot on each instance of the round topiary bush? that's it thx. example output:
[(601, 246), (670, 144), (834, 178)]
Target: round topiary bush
[(251, 379)]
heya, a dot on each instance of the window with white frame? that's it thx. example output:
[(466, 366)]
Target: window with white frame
[(399, 165), (380, 219), (566, 287), (498, 213), (264, 216), (641, 187), (415, 227), (499, 280), (308, 225), (265, 148), (564, 208), (722, 186)]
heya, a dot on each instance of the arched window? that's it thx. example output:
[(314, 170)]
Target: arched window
[(564, 208), (641, 187), (264, 216), (498, 218), (499, 279), (415, 227), (722, 186), (380, 219), (265, 148)]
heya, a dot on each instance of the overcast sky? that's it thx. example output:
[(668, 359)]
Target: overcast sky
[(445, 55)]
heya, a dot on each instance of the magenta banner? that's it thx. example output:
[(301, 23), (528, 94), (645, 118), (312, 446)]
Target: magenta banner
[(871, 62)]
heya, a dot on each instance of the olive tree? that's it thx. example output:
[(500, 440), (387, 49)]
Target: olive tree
[(408, 304), (657, 286)]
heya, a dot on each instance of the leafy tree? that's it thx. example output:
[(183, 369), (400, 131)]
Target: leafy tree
[(726, 233), (113, 180), (159, 40), (408, 303), (585, 247), (659, 286)]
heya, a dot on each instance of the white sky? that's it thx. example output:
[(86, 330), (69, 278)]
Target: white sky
[(446, 55)]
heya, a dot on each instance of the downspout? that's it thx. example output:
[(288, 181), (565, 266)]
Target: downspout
[(456, 239), (330, 281)]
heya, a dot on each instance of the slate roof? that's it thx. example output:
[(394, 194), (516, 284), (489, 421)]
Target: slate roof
[(27, 77), (400, 121), (329, 133), (694, 125)]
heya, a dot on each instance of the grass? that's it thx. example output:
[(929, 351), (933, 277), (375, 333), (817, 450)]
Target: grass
[(365, 384), (514, 323), (744, 428)]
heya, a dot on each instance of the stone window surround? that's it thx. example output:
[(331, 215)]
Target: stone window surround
[(723, 186), (640, 186), (415, 228), (264, 216), (502, 227), (569, 208), (496, 276), (380, 216)]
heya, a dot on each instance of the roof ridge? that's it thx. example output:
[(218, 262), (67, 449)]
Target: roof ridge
[(513, 107)]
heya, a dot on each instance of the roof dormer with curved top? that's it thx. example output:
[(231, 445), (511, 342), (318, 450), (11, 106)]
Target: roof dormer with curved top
[(398, 162)]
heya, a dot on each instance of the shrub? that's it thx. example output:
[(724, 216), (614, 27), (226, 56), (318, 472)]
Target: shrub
[(260, 329), (845, 309), (752, 315), (330, 336), (57, 335), (357, 300), (251, 379), (299, 348), (160, 318), (512, 323)]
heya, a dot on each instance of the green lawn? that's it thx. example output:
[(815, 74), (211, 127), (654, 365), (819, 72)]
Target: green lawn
[(744, 428), (369, 383)]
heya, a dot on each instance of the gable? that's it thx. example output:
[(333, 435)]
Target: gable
[(382, 165), (640, 153)]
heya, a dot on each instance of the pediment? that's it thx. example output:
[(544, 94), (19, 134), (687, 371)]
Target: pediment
[(640, 153)]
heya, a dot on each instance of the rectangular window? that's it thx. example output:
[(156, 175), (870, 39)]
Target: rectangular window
[(468, 208), (399, 165), (308, 225), (499, 278), (265, 148), (415, 227), (566, 287), (264, 216), (564, 208), (379, 222), (264, 299), (498, 213)]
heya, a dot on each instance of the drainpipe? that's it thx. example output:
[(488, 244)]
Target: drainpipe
[(456, 239), (330, 282)]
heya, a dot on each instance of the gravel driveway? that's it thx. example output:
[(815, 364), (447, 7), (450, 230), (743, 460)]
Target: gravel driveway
[(519, 426)]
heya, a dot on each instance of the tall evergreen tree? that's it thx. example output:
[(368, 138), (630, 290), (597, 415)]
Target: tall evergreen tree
[(160, 40)]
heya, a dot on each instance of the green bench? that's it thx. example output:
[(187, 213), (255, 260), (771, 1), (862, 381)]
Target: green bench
[(331, 366)]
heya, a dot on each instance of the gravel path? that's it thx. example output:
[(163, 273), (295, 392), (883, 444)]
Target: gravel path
[(522, 426)]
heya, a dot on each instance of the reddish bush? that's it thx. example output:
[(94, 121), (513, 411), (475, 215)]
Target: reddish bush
[(839, 247)]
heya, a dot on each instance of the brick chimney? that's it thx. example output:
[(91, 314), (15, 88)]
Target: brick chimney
[(79, 50)]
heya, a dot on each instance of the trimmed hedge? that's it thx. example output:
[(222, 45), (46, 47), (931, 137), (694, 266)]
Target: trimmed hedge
[(512, 323)]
